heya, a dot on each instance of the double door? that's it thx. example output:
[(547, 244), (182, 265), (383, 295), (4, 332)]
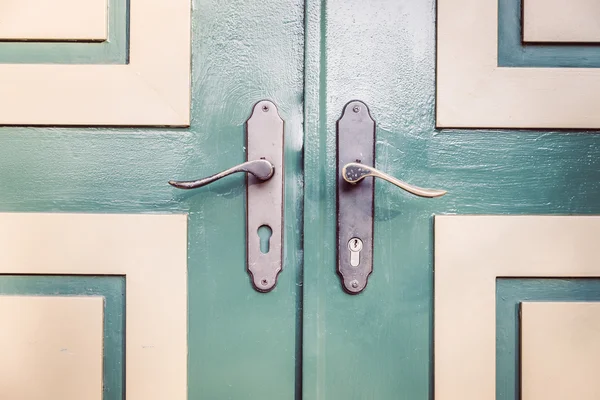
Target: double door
[(131, 288)]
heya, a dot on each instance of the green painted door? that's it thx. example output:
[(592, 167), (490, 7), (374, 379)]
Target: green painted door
[(408, 60), (306, 339), (241, 344)]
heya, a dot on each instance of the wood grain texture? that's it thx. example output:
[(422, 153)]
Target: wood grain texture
[(242, 344), (379, 344)]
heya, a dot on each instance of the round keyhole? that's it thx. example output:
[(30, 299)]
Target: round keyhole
[(264, 233)]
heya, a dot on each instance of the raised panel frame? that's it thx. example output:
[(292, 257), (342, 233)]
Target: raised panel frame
[(561, 21), (474, 92), (54, 20), (471, 252), (560, 350), (152, 89), (149, 250)]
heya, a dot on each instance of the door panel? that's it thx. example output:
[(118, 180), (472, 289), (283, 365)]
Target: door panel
[(486, 268), (241, 343), (559, 350), (53, 266), (379, 344), (151, 88)]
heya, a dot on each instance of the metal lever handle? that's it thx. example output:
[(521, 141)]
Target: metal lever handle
[(263, 170), (354, 173)]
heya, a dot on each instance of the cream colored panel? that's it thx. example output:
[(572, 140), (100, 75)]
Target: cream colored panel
[(149, 250), (560, 351), (470, 253), (561, 20), (54, 19), (51, 348), (473, 92), (153, 89)]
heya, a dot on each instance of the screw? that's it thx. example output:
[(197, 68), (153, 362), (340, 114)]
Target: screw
[(354, 284), (265, 108), (264, 282), (356, 109)]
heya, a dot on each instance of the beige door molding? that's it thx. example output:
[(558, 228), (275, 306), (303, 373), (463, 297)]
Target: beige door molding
[(53, 341), (474, 92), (149, 250), (152, 89), (470, 253), (560, 356)]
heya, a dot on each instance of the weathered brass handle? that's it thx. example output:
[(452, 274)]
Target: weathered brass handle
[(262, 169), (355, 172)]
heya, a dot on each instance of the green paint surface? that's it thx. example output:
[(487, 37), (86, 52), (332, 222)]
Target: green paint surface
[(510, 292), (379, 344), (115, 50), (112, 289)]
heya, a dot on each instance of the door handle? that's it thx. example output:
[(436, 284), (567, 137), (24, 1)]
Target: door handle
[(261, 169), (356, 195), (264, 194), (354, 173)]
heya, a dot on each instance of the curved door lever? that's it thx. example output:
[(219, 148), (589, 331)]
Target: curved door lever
[(355, 172), (262, 169), (264, 194)]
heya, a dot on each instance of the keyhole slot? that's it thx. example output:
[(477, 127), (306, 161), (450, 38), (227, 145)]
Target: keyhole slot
[(264, 233)]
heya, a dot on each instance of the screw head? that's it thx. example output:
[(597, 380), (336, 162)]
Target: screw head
[(264, 282), (354, 284), (356, 108), (265, 108)]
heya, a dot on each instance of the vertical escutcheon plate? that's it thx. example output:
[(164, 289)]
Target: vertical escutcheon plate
[(355, 143), (264, 139)]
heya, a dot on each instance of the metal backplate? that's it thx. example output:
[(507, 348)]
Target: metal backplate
[(264, 139), (355, 143)]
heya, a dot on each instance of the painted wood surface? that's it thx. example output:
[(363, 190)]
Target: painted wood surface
[(560, 350), (112, 291), (561, 21), (242, 344), (473, 253), (509, 293), (149, 251), (151, 89), (54, 20), (378, 345), (53, 341), (112, 51)]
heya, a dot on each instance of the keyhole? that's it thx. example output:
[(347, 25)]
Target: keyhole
[(355, 244), (264, 233)]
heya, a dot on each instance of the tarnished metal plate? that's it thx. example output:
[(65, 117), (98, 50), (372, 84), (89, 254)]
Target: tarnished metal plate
[(264, 139), (355, 143)]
